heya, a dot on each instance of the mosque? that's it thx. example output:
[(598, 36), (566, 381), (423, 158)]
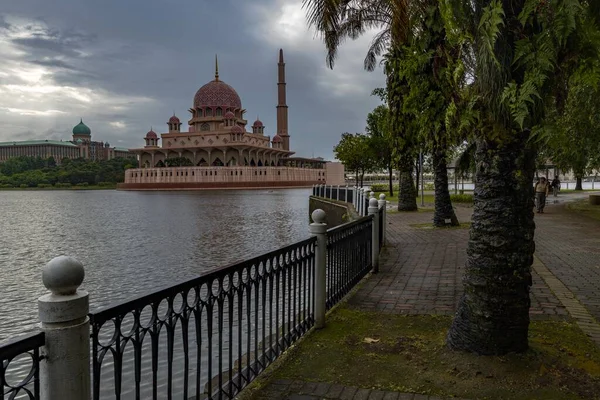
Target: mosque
[(217, 151)]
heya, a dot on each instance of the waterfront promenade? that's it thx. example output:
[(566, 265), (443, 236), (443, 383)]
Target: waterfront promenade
[(420, 274)]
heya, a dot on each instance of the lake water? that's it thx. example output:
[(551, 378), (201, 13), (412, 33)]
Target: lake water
[(133, 242)]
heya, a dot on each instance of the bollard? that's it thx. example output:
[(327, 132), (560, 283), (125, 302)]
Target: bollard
[(383, 209), (374, 211), (319, 229), (65, 369)]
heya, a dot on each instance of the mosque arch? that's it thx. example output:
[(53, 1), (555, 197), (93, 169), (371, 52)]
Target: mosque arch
[(252, 163), (232, 162), (202, 163), (260, 163), (208, 112), (219, 112), (272, 163), (217, 162), (205, 127)]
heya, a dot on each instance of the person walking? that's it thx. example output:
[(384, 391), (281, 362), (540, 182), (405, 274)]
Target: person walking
[(555, 186), (541, 191)]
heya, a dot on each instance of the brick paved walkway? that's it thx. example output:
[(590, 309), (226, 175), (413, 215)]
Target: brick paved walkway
[(421, 271)]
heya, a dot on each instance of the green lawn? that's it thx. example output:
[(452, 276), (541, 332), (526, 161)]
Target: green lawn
[(583, 207), (408, 354)]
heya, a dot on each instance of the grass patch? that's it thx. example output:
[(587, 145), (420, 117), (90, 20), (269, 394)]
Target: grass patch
[(583, 207), (408, 354)]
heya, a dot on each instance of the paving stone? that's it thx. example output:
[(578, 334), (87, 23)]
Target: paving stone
[(321, 389), (335, 391), (376, 395), (362, 394), (391, 396), (348, 393)]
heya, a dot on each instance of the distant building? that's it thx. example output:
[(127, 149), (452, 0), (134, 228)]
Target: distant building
[(82, 146), (219, 152)]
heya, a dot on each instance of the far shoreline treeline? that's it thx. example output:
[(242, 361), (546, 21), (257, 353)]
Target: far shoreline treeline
[(45, 173)]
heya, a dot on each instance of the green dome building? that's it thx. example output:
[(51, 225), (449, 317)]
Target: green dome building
[(82, 131)]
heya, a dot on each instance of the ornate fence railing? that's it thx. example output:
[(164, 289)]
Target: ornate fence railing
[(348, 257), (205, 338), (209, 336), (341, 193), (20, 367)]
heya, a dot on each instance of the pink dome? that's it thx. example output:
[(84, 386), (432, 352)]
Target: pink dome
[(229, 115), (257, 123), (277, 139), (237, 129), (151, 135), (174, 120), (217, 94)]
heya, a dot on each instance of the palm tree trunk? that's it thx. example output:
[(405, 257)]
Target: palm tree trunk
[(417, 174), (443, 205), (407, 197), (492, 317), (390, 175)]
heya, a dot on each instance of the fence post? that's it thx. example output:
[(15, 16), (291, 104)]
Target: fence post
[(337, 196), (374, 211), (366, 202), (319, 229), (65, 369), (383, 209), (346, 195), (354, 198)]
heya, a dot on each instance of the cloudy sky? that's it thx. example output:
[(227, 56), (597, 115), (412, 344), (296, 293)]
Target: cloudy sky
[(125, 66)]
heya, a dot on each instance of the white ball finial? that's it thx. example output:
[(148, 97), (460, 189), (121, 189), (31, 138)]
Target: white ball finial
[(318, 216), (373, 202), (63, 275), (372, 194), (382, 196)]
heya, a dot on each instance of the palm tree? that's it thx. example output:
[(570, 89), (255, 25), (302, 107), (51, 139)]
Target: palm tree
[(517, 46), (338, 20)]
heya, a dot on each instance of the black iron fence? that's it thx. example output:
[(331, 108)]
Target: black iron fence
[(348, 257), (208, 337), (20, 367)]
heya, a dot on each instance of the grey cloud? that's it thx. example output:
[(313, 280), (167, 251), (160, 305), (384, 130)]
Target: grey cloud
[(164, 50), (3, 23), (54, 63)]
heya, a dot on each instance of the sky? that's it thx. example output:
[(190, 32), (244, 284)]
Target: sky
[(127, 66)]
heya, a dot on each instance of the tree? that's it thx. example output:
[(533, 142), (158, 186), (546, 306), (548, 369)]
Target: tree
[(338, 20), (572, 137), (356, 153), (433, 71), (381, 141), (517, 46)]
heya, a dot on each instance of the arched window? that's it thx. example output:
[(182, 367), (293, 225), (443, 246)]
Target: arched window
[(219, 112), (208, 112), (205, 127)]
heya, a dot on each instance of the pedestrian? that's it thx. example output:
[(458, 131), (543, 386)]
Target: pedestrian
[(541, 191), (555, 186)]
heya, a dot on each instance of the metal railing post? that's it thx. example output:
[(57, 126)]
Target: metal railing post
[(337, 196), (360, 202), (63, 313), (365, 202), (383, 209), (346, 195), (374, 211), (319, 229)]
